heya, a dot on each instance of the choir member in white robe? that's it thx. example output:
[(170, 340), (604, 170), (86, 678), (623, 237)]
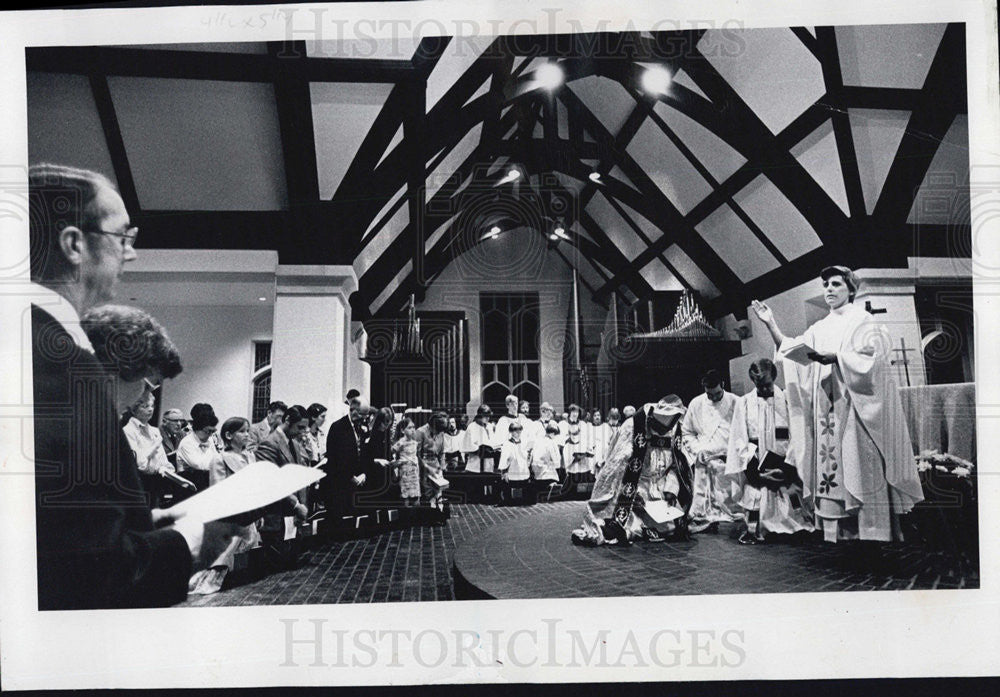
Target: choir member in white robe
[(600, 437), (546, 459), (760, 426), (478, 444), (575, 452), (546, 415), (660, 478), (532, 430), (514, 465), (453, 441), (705, 440), (501, 430), (849, 438)]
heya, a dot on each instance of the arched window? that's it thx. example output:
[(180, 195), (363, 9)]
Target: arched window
[(260, 381)]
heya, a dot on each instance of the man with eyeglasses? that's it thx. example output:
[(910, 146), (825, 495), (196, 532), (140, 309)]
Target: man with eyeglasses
[(173, 428), (96, 542)]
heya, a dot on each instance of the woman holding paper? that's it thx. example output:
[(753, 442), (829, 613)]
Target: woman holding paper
[(848, 437)]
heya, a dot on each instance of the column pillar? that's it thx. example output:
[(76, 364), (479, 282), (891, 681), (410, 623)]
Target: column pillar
[(894, 290), (312, 350)]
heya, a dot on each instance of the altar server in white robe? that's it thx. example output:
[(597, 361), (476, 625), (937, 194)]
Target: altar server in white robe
[(771, 499), (600, 437), (515, 458), (849, 438), (545, 457), (478, 444), (575, 451), (705, 442), (546, 415)]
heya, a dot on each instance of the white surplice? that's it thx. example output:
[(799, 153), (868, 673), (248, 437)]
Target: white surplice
[(705, 431), (849, 438), (477, 435), (514, 461), (752, 433)]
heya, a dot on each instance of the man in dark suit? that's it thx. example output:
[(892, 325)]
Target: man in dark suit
[(344, 475), (281, 446), (96, 542)]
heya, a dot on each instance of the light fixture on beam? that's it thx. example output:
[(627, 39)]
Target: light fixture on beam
[(494, 232), (595, 177), (549, 76), (656, 80)]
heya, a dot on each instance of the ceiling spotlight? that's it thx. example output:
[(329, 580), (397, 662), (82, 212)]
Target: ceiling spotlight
[(656, 80), (553, 237), (513, 174), (595, 177), (494, 232), (549, 76), (560, 231), (262, 299)]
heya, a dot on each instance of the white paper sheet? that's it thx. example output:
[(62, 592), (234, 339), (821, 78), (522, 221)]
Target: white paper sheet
[(252, 487)]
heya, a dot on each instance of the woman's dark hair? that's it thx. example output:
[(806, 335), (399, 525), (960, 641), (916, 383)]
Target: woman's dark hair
[(130, 343), (231, 426), (401, 426), (202, 416), (314, 411), (294, 414), (385, 416)]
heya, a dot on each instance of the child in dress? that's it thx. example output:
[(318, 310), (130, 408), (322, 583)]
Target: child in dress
[(405, 452)]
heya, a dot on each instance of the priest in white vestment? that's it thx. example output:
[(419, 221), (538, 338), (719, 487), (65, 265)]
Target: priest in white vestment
[(705, 441), (760, 426), (849, 438)]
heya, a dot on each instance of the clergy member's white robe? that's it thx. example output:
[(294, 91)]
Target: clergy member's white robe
[(752, 433), (600, 438), (849, 438), (533, 432), (514, 461), (705, 433), (477, 435), (501, 431)]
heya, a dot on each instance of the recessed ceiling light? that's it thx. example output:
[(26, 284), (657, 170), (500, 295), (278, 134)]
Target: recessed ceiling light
[(553, 236), (595, 176), (656, 80), (262, 299), (495, 230), (559, 231), (513, 174), (549, 76)]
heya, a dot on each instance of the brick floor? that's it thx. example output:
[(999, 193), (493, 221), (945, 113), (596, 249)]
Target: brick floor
[(525, 552)]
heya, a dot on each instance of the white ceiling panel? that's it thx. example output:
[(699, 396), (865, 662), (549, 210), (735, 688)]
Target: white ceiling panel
[(381, 241), (736, 244), (658, 276), (943, 197), (817, 153), (606, 98), (343, 113), (718, 157), (877, 134), (778, 218), (201, 144), (880, 55), (691, 272), (453, 160), (458, 56), (615, 227), (770, 69), (667, 167)]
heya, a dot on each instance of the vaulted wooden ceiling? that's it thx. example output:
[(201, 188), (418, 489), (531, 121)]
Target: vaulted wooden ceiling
[(773, 153)]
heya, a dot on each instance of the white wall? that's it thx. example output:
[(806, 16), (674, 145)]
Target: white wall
[(215, 343), (517, 261)]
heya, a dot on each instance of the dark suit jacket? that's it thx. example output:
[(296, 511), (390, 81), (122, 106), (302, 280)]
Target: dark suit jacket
[(278, 449), (343, 453), (95, 539)]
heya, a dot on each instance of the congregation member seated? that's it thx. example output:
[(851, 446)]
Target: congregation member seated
[(236, 454), (173, 428), (262, 429), (705, 440), (515, 471), (843, 399), (147, 445), (771, 496), (644, 489), (453, 438), (198, 452), (478, 445), (404, 451)]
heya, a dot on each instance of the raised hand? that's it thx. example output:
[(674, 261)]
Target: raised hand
[(762, 311)]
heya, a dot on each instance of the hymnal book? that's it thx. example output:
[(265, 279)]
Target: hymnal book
[(796, 350), (253, 487), (771, 461)]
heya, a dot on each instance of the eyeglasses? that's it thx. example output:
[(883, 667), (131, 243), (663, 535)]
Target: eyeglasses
[(128, 237)]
